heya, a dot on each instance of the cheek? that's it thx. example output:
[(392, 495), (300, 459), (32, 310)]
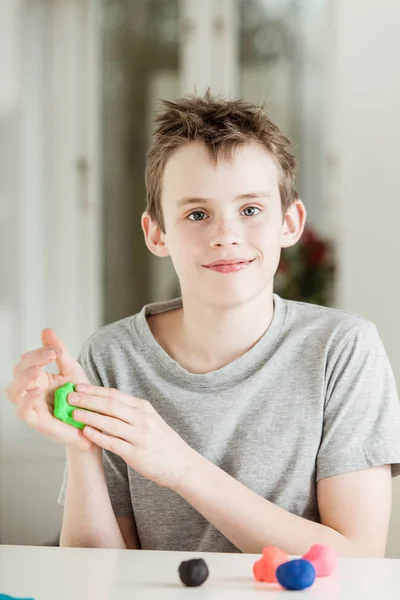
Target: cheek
[(266, 235), (185, 247)]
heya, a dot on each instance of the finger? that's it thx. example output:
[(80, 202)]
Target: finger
[(108, 425), (65, 362), (50, 338), (108, 442), (36, 414), (24, 383), (110, 393), (104, 405), (35, 358)]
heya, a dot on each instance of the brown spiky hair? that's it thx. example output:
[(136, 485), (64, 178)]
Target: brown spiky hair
[(222, 125)]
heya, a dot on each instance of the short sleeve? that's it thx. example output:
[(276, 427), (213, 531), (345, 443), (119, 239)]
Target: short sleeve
[(361, 427), (115, 468)]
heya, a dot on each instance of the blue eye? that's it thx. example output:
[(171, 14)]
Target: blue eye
[(251, 208), (196, 213)]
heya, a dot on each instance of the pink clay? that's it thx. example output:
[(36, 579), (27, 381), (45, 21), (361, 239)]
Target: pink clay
[(324, 559)]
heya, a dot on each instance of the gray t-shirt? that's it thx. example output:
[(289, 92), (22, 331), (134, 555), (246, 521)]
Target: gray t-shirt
[(314, 397)]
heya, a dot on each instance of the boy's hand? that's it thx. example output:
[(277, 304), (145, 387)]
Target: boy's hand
[(32, 390), (132, 429)]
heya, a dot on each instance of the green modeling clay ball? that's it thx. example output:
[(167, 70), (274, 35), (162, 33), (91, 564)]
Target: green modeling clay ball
[(63, 410)]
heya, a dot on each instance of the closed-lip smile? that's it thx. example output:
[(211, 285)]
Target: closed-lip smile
[(229, 261)]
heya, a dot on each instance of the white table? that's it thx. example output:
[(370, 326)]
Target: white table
[(45, 573)]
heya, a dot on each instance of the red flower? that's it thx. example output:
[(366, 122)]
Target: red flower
[(316, 253), (309, 236)]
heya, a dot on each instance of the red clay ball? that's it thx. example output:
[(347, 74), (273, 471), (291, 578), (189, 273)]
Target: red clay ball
[(264, 569)]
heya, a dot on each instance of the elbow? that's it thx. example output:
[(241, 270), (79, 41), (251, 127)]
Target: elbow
[(80, 542), (70, 542), (358, 548)]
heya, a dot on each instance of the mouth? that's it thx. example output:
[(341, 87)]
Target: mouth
[(229, 265)]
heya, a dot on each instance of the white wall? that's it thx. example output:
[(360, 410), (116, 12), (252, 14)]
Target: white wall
[(364, 133), (49, 230)]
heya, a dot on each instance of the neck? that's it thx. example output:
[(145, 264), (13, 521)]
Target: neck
[(211, 337)]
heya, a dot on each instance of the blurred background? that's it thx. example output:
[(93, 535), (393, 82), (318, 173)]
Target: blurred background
[(80, 81)]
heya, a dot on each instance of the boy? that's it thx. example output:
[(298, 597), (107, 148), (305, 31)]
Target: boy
[(229, 419)]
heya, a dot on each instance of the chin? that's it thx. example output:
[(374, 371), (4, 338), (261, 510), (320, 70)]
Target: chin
[(232, 298)]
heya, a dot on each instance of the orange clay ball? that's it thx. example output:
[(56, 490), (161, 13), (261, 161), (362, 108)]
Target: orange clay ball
[(264, 569)]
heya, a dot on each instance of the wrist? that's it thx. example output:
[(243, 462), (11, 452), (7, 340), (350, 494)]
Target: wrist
[(93, 455), (191, 468)]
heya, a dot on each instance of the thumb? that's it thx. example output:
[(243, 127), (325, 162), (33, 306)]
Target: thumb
[(66, 364)]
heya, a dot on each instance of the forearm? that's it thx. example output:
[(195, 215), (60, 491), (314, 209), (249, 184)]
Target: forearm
[(89, 519), (249, 521)]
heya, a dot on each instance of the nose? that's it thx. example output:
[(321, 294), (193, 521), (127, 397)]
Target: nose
[(225, 233)]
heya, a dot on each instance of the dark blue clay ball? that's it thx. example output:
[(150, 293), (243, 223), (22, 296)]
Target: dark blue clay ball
[(296, 574)]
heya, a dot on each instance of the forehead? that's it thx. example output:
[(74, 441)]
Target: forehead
[(191, 171)]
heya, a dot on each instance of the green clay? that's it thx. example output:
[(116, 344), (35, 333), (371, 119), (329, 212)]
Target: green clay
[(63, 410)]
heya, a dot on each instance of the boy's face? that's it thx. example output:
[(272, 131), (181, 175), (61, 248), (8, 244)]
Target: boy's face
[(228, 210)]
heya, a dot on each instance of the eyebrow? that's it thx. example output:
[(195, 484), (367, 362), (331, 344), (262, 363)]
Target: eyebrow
[(199, 200)]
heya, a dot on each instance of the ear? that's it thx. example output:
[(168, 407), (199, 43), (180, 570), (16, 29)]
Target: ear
[(154, 237), (293, 224)]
